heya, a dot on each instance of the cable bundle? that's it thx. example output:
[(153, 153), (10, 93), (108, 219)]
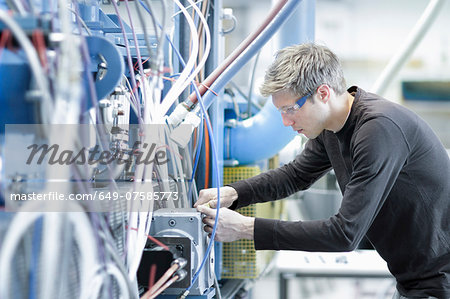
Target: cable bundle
[(106, 248)]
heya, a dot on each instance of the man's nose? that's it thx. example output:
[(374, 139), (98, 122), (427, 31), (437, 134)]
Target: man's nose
[(287, 121)]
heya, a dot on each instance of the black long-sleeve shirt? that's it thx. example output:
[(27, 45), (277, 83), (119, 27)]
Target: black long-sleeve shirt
[(394, 175)]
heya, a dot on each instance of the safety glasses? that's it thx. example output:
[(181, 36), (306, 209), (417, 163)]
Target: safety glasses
[(298, 104)]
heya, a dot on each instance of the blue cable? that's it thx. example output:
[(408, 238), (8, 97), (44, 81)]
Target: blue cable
[(197, 155), (35, 250), (214, 152), (216, 162)]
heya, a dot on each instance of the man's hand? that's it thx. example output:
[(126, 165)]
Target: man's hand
[(227, 196), (231, 225)]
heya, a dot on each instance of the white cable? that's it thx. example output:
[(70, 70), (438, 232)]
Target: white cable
[(137, 241), (66, 110), (130, 96), (99, 279), (182, 82), (141, 211), (187, 7), (153, 99), (413, 40), (96, 285), (121, 267), (132, 240), (20, 8), (141, 220), (207, 45), (20, 225), (50, 255), (38, 72), (17, 228), (201, 63), (133, 252), (68, 85), (179, 168), (144, 87), (157, 85), (114, 271), (84, 235)]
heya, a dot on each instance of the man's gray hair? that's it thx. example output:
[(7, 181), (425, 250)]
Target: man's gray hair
[(300, 69)]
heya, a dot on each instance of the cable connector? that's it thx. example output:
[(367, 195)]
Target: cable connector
[(182, 134), (183, 295), (177, 116), (181, 262), (181, 274)]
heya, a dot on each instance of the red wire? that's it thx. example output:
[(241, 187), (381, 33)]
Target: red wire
[(40, 40), (136, 64), (3, 38), (151, 279), (37, 38), (137, 85), (154, 240), (33, 40)]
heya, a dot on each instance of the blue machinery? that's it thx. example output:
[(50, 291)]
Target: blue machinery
[(101, 90)]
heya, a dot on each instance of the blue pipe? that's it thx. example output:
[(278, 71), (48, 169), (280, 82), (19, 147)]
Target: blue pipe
[(258, 137), (264, 134)]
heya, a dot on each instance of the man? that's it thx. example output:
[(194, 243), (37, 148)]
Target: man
[(393, 172)]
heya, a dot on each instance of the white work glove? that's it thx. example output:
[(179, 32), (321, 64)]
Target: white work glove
[(231, 225), (227, 196)]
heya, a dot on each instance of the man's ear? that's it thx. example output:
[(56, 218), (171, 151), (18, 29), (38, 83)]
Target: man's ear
[(324, 92)]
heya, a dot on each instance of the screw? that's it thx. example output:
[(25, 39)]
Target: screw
[(172, 222)]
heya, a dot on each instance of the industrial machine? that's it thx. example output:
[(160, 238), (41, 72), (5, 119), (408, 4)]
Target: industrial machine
[(113, 116)]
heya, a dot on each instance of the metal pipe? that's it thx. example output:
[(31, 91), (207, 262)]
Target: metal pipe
[(415, 37), (250, 51), (257, 39)]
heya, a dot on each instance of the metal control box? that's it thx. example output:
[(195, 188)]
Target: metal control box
[(182, 230)]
